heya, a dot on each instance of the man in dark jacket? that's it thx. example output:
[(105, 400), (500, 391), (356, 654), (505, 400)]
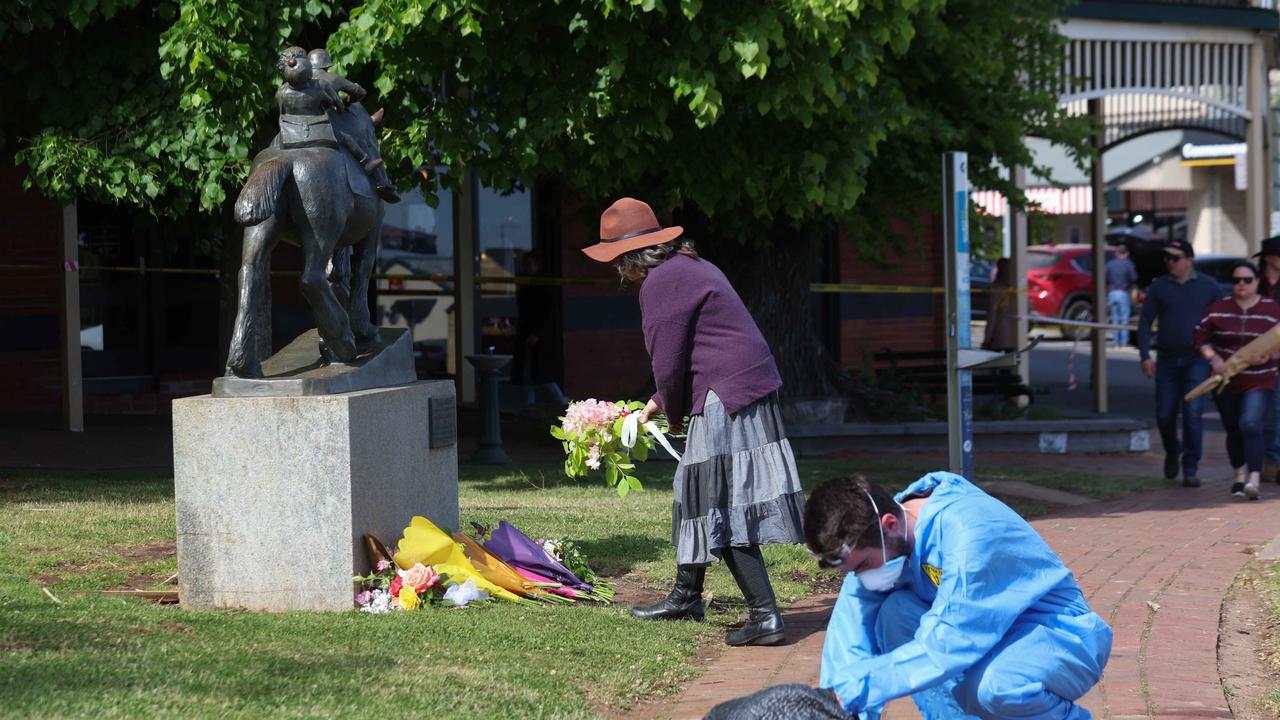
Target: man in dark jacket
[(1176, 302)]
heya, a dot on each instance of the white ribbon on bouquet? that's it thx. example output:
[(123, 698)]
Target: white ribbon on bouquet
[(631, 433)]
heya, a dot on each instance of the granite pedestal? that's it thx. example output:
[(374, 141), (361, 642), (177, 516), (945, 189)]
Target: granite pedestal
[(274, 494)]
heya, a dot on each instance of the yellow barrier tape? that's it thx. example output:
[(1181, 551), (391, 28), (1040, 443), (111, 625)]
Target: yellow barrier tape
[(864, 288), (503, 280)]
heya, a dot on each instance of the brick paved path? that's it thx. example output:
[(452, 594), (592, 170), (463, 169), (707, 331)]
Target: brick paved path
[(1156, 566)]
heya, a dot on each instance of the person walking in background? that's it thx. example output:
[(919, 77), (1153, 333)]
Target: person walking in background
[(1001, 332), (1122, 276), (1177, 301), (1269, 287), (1230, 324), (736, 486)]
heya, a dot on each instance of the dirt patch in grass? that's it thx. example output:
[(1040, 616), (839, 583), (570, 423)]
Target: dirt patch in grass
[(821, 583), (147, 553), (629, 591), (1247, 642), (139, 582), (44, 579)]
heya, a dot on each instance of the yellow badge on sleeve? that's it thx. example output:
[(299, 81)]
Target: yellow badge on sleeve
[(935, 574)]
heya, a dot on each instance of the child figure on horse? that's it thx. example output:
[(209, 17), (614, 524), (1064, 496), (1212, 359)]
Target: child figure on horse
[(304, 101)]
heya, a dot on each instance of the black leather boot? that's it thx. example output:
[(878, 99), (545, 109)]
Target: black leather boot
[(764, 622), (685, 600)]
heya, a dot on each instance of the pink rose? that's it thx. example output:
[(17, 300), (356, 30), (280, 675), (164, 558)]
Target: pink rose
[(420, 577), (396, 584)]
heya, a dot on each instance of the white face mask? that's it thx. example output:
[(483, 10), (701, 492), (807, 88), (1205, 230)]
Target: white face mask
[(883, 578)]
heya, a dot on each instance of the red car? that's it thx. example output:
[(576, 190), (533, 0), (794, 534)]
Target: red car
[(1060, 283)]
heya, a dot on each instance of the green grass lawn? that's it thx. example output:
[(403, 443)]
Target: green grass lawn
[(78, 533)]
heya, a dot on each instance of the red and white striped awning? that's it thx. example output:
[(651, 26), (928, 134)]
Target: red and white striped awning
[(1075, 200)]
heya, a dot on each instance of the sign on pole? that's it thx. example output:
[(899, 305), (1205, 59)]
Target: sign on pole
[(955, 203)]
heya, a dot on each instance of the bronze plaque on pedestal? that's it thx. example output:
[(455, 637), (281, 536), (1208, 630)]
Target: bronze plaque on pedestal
[(443, 428)]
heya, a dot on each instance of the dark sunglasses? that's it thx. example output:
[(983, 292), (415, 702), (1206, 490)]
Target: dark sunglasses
[(832, 559), (1242, 280)]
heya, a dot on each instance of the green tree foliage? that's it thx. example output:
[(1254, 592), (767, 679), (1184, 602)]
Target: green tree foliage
[(749, 112), (764, 124), (156, 105)]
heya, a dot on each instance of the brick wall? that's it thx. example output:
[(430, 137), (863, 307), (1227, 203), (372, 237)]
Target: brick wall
[(871, 322), (30, 234)]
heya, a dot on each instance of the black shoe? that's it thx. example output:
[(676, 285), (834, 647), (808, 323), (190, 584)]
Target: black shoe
[(684, 602), (1190, 481), (388, 194), (1170, 467), (764, 629), (1237, 489)]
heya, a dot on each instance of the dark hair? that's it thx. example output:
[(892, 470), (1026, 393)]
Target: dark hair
[(639, 262), (1245, 264), (839, 511)]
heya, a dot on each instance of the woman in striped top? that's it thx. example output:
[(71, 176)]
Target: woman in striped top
[(1230, 324)]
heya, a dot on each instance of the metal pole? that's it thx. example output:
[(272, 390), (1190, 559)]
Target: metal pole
[(955, 204), (1255, 194), (464, 271), (1018, 267), (1098, 239), (72, 381)]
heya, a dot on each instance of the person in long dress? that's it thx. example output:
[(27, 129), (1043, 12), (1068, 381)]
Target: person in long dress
[(736, 486)]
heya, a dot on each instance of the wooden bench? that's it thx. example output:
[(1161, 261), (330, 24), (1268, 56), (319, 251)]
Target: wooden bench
[(926, 371)]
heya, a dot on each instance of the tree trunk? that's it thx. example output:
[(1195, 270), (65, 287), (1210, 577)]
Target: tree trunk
[(773, 281)]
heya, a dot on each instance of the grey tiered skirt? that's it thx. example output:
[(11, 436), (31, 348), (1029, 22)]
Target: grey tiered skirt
[(736, 483)]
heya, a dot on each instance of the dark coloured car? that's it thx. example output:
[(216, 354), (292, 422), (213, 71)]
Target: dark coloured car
[(1219, 268)]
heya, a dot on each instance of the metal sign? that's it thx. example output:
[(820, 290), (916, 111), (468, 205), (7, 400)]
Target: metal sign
[(955, 202), (442, 429)]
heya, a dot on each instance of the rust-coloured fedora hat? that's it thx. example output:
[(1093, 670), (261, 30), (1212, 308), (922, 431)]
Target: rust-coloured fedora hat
[(627, 225)]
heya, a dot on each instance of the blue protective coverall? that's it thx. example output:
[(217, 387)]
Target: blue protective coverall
[(984, 611)]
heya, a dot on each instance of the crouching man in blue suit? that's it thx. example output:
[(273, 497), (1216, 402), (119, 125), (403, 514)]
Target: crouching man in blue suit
[(953, 598), (950, 597)]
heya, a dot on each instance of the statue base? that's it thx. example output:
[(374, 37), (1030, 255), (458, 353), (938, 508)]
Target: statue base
[(274, 494), (299, 370)]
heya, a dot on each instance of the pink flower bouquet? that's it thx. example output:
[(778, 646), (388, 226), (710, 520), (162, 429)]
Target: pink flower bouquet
[(387, 588), (591, 433)]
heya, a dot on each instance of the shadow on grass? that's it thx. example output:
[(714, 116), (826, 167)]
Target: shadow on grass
[(85, 485), (617, 555), (547, 476)]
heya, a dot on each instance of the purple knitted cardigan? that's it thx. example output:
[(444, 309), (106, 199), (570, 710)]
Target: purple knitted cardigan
[(700, 337)]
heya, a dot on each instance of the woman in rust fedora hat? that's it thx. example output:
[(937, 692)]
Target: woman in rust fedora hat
[(736, 486)]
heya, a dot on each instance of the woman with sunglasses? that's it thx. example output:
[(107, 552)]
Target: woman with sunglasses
[(1230, 324)]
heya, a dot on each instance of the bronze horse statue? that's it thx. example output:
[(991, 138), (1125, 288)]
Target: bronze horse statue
[(304, 189)]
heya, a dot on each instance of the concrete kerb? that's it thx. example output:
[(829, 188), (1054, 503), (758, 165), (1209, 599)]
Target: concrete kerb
[(1055, 437)]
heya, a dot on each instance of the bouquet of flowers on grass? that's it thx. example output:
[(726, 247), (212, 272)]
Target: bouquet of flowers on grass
[(567, 553), (388, 588), (591, 433), (534, 563)]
